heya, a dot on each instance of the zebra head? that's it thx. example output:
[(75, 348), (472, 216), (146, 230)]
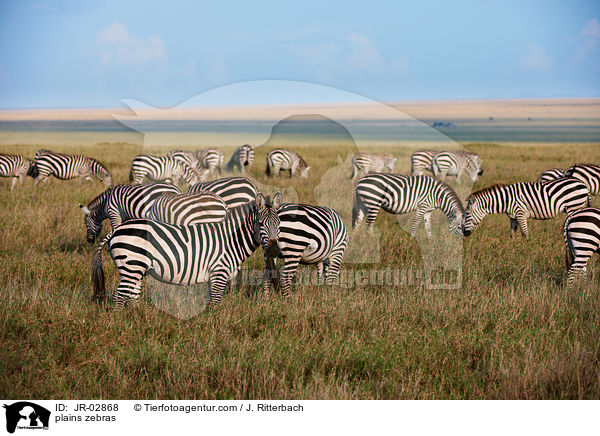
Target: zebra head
[(474, 168), (457, 223), (92, 225), (474, 213), (267, 224)]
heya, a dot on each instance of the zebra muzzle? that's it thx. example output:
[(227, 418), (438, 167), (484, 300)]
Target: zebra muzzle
[(273, 249)]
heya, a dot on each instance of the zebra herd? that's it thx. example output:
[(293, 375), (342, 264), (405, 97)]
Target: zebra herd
[(205, 234)]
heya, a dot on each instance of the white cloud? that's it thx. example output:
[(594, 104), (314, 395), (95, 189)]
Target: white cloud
[(117, 46), (587, 39), (536, 59), (364, 55)]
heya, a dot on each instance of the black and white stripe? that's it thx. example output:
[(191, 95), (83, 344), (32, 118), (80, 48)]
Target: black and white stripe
[(188, 209), (163, 168), (66, 167), (122, 203), (365, 163), (581, 233), (520, 201), (310, 235), (455, 163), (187, 255), (280, 159), (400, 194), (242, 159), (14, 166), (588, 174), (552, 174), (210, 160), (422, 160), (233, 190)]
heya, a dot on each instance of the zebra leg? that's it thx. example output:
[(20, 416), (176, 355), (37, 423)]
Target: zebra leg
[(418, 217), (523, 225), (578, 268), (288, 273), (14, 183), (217, 284), (39, 179), (427, 222), (514, 225), (371, 217), (320, 268), (333, 271), (128, 289)]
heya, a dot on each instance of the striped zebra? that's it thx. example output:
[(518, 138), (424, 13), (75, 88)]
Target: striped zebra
[(66, 167), (211, 160), (551, 174), (399, 194), (14, 166), (309, 235), (422, 160), (242, 157), (455, 163), (233, 190), (188, 209), (163, 168), (581, 233), (186, 255), (588, 174), (520, 201), (366, 163), (280, 159), (122, 203)]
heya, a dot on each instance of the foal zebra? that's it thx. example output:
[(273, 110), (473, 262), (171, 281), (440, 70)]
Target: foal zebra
[(122, 203), (422, 160), (66, 167), (280, 159), (188, 209), (168, 168), (520, 201), (552, 174), (233, 190), (211, 160), (366, 163), (14, 166), (588, 174), (187, 255), (400, 194), (242, 157), (309, 235), (455, 163), (581, 233)]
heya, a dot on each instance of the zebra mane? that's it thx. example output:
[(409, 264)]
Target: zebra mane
[(98, 199), (487, 190)]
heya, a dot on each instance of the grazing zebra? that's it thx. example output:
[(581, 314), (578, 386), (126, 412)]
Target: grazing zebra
[(520, 201), (280, 159), (366, 163), (122, 203), (588, 174), (16, 167), (187, 255), (552, 174), (210, 159), (422, 160), (309, 235), (66, 167), (242, 157), (400, 194), (455, 163), (233, 190), (581, 232), (168, 168), (188, 209)]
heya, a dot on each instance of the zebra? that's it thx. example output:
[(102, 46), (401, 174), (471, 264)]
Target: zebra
[(422, 160), (15, 166), (168, 168), (309, 235), (187, 209), (455, 164), (588, 174), (520, 201), (122, 203), (242, 157), (581, 233), (371, 163), (552, 174), (233, 190), (399, 194), (280, 159), (66, 167), (186, 255), (210, 159)]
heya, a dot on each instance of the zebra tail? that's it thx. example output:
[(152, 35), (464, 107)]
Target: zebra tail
[(98, 272), (569, 257)]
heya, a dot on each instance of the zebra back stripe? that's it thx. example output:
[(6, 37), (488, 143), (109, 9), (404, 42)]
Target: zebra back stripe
[(234, 191), (188, 209)]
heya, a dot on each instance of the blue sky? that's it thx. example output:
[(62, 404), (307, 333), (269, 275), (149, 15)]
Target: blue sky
[(80, 54)]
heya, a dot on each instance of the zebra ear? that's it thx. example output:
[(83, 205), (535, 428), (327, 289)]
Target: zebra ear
[(84, 209), (277, 200), (260, 200)]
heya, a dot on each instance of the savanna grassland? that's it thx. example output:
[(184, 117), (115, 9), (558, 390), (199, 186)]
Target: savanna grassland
[(512, 330)]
